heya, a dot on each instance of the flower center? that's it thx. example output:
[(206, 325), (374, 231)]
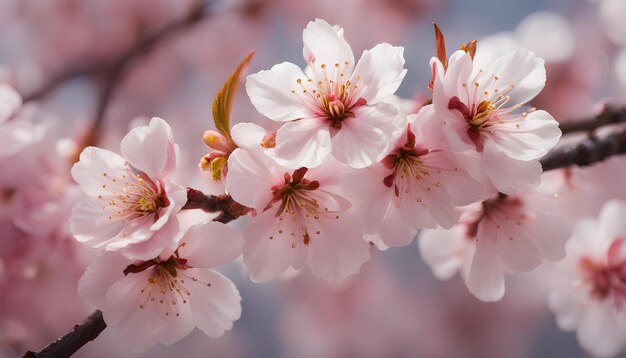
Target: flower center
[(293, 194), (484, 108), (132, 195), (167, 285), (606, 279), (405, 163), (328, 93), (300, 211)]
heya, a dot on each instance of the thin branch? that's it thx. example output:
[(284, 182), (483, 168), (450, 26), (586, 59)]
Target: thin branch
[(112, 69), (609, 115), (80, 335), (586, 152), (113, 74), (224, 204)]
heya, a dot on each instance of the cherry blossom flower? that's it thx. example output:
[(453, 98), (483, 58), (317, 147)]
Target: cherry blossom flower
[(301, 218), (416, 186), (333, 106), (502, 235), (163, 299), (132, 199), (474, 106), (590, 294)]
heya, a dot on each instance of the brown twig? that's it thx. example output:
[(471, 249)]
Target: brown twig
[(87, 331), (609, 115), (586, 152), (224, 204), (80, 335)]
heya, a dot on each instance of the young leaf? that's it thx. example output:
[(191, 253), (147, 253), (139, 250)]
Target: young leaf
[(223, 101), (440, 47)]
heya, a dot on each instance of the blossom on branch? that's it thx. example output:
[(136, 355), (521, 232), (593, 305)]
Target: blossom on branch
[(481, 109), (132, 201), (302, 219), (416, 186), (590, 294), (334, 106), (163, 299), (501, 235)]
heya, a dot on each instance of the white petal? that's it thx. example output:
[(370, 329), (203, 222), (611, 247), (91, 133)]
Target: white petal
[(137, 329), (486, 278), (444, 251), (393, 232), (339, 250), (550, 234), (324, 44), (248, 134), (264, 257), (368, 137), (613, 221), (527, 138), (460, 67), (90, 225), (105, 269), (380, 72), (251, 175), (210, 244), (520, 68), (514, 246), (215, 308), (303, 143), (271, 93), (151, 149), (90, 169), (165, 238), (509, 175), (600, 332)]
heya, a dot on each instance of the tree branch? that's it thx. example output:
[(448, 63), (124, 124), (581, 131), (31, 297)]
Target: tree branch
[(609, 115), (586, 152), (80, 335), (224, 204), (112, 70), (87, 331)]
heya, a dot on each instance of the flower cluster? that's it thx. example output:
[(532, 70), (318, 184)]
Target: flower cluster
[(348, 171), (150, 276)]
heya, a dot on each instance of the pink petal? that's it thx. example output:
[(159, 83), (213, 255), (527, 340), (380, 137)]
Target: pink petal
[(93, 163), (271, 93), (151, 149), (339, 250), (521, 68), (248, 134), (382, 70), (527, 138), (210, 244), (215, 308), (90, 224), (509, 175), (303, 143), (367, 138), (444, 251), (485, 279), (325, 44), (514, 246), (264, 257), (102, 273), (167, 237), (251, 174)]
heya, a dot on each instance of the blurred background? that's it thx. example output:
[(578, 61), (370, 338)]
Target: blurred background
[(92, 69)]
